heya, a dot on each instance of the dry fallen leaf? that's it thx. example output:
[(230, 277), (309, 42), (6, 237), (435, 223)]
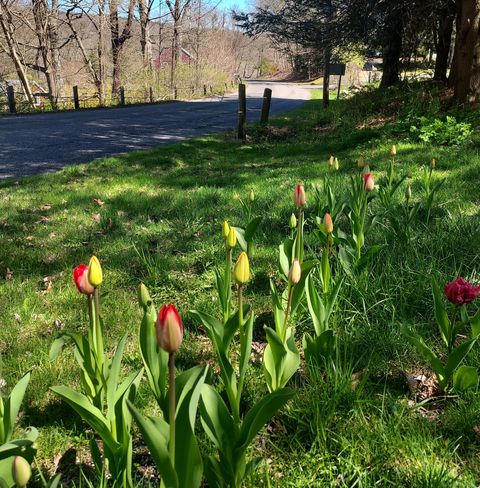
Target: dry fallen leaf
[(43, 220), (45, 207), (59, 324), (96, 217), (29, 238), (8, 274), (99, 202)]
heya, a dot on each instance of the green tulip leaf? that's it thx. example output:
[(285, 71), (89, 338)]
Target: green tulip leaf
[(259, 415), (216, 419), (465, 378), (285, 257), (88, 412), (155, 432), (457, 356), (188, 464), (441, 314), (428, 355), (12, 407)]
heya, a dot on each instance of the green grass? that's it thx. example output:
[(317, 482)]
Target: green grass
[(160, 223)]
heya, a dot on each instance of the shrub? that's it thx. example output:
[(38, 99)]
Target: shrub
[(446, 132)]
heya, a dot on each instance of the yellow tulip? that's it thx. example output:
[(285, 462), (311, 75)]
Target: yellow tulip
[(225, 229), (21, 471), (95, 275), (241, 271), (295, 272), (232, 238)]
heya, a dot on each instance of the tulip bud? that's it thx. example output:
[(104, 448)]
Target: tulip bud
[(366, 169), (251, 196), (394, 150), (21, 471), (331, 161), (299, 196), (295, 272), (337, 164), (144, 296), (433, 164), (408, 192), (361, 162), (241, 270), (293, 221), (232, 238), (225, 229), (80, 278), (95, 275), (369, 182), (169, 329), (327, 223)]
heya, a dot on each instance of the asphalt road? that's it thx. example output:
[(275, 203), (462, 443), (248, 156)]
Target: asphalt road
[(33, 144)]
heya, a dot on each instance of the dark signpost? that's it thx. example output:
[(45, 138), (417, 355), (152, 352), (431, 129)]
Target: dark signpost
[(339, 70)]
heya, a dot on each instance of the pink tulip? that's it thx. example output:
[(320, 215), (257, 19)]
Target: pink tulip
[(368, 182), (169, 329), (461, 291), (299, 196), (80, 278)]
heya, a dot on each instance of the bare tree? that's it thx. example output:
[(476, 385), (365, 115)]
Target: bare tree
[(178, 10), (8, 23), (95, 13), (46, 29), (118, 37)]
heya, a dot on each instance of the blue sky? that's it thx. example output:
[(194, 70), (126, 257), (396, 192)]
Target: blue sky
[(241, 4)]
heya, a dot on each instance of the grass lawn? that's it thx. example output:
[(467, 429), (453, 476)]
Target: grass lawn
[(155, 217)]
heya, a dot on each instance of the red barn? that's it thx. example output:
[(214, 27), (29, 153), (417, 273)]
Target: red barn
[(165, 58)]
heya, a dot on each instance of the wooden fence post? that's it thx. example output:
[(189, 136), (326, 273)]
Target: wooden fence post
[(267, 99), (242, 111), (175, 92), (11, 99), (122, 95), (205, 90), (76, 101), (151, 94)]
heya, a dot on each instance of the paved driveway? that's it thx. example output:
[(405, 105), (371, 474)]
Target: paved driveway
[(32, 144)]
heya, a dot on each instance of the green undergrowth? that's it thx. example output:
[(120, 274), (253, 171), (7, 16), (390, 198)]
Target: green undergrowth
[(155, 216)]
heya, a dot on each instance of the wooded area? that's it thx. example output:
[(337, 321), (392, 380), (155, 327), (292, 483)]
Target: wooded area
[(101, 45), (443, 34)]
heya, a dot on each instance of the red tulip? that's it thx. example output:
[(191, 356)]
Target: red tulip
[(368, 182), (299, 196), (80, 278), (169, 329), (461, 291)]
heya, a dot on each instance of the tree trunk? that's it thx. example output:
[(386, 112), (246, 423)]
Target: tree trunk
[(326, 77), (444, 40), (7, 25), (118, 40), (392, 51), (145, 35), (468, 12), (474, 93), (47, 36)]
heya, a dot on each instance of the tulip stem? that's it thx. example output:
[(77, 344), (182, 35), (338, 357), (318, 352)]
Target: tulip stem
[(172, 406), (299, 234), (236, 413), (228, 285), (287, 312), (98, 331)]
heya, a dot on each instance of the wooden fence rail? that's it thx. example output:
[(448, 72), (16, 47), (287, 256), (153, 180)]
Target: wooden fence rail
[(15, 102)]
